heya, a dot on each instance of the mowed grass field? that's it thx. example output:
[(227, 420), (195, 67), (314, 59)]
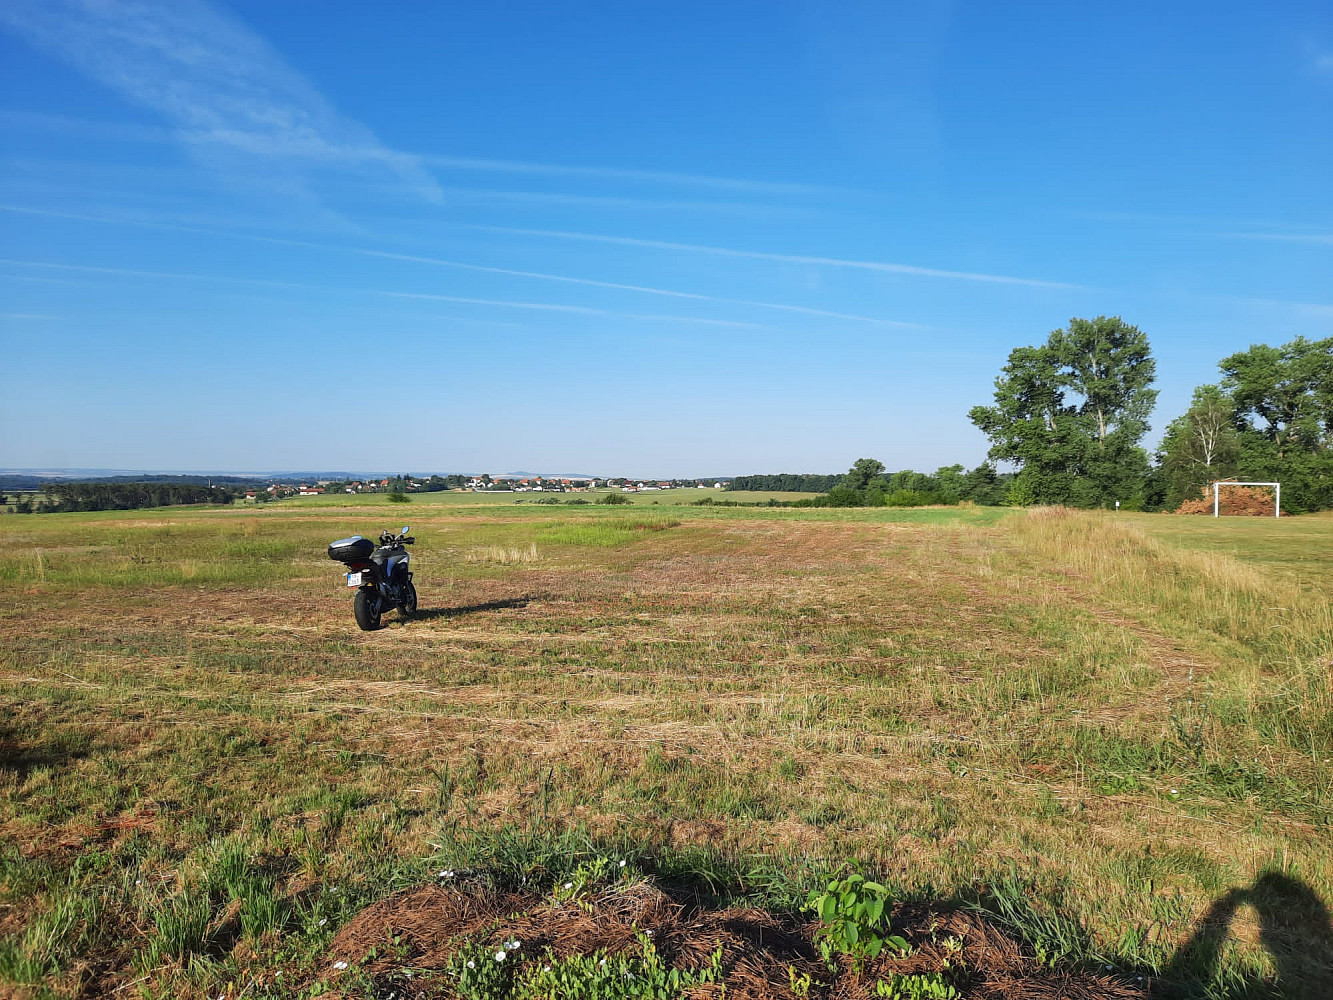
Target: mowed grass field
[(466, 498), (1111, 723)]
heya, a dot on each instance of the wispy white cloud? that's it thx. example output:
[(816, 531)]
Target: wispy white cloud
[(1313, 310), (136, 133), (217, 83), (783, 258), (712, 207), (480, 268), (1325, 239), (660, 177), (586, 282), (519, 304), (1318, 56)]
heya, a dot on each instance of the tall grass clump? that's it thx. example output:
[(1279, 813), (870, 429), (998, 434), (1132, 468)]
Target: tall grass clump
[(1274, 636), (50, 940), (607, 533), (502, 554)]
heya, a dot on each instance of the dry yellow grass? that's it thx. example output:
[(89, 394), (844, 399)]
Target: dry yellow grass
[(1130, 725)]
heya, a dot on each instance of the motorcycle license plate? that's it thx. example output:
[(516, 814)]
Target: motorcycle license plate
[(353, 579)]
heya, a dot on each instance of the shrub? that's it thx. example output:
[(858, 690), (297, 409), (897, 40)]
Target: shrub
[(909, 498), (614, 498), (843, 496), (855, 920)]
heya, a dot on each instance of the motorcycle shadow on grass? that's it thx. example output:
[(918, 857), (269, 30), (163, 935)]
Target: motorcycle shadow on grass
[(432, 614)]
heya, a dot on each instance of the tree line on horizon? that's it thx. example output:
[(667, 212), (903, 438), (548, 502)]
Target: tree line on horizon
[(64, 497), (869, 484), (1069, 415), (1067, 420)]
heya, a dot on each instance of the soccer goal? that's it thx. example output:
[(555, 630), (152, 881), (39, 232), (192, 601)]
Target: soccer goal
[(1217, 492)]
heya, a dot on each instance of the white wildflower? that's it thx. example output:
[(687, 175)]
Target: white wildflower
[(323, 921), (500, 956), (512, 945), (622, 862), (340, 965), (569, 885), (471, 964)]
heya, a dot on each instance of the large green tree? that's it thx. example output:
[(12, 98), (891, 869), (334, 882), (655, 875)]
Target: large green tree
[(862, 473), (1200, 446), (1284, 393), (1071, 412), (1282, 409)]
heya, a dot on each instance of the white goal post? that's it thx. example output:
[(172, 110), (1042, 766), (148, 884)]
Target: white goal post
[(1277, 494)]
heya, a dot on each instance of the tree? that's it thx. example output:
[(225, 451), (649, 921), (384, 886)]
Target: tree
[(949, 483), (1283, 412), (1109, 364), (1200, 446), (1288, 388), (862, 472), (1071, 412)]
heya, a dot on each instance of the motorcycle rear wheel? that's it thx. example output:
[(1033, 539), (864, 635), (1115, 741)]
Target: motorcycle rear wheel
[(367, 609), (409, 604)]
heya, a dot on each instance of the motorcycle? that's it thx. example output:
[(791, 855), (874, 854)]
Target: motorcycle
[(379, 573)]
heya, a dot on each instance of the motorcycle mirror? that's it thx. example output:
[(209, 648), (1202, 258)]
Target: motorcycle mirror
[(406, 528)]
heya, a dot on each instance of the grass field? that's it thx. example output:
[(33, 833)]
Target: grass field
[(466, 498), (1114, 732)]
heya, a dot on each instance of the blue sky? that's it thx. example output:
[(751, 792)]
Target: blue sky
[(645, 239)]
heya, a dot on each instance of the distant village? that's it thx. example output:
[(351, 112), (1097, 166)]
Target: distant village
[(476, 484)]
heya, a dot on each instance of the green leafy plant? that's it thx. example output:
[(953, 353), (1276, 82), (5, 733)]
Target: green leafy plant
[(916, 986), (800, 982), (594, 872), (483, 972), (854, 914), (625, 976)]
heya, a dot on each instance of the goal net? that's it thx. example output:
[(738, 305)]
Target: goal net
[(1217, 495)]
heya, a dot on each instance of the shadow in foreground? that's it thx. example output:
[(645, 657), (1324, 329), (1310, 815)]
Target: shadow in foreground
[(54, 749), (429, 614), (1293, 926)]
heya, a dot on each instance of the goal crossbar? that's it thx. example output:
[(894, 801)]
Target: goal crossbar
[(1277, 494)]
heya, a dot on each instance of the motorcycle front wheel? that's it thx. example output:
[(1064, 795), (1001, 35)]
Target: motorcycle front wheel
[(367, 608), (409, 602)]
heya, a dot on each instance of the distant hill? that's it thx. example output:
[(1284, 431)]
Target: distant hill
[(32, 479), (23, 480), (544, 475)]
